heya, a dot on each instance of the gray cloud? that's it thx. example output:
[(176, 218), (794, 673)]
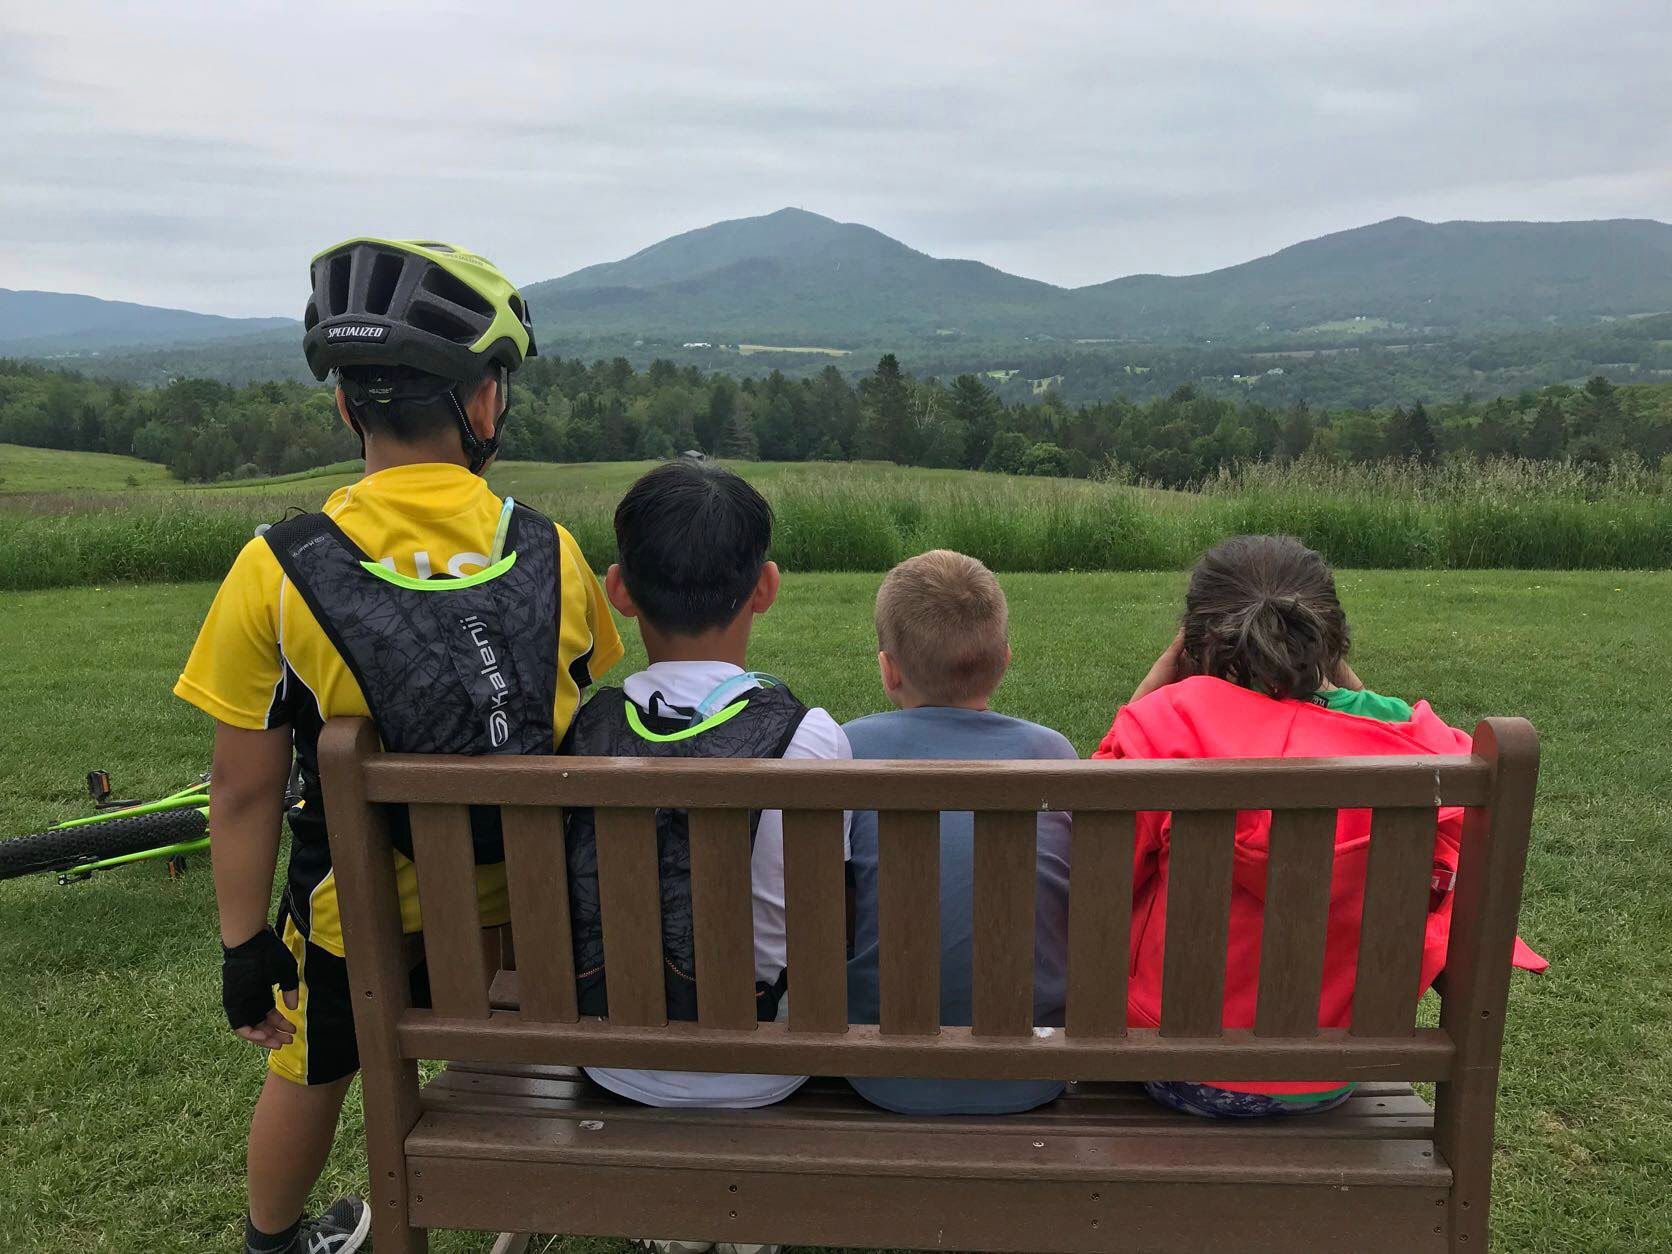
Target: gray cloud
[(196, 154)]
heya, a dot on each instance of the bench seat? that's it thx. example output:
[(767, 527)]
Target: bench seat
[(543, 1145)]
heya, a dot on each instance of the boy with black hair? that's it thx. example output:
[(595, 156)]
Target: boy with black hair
[(692, 541), (390, 604)]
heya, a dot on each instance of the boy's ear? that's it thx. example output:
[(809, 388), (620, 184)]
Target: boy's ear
[(484, 407), (766, 589), (892, 679), (615, 588), (342, 410)]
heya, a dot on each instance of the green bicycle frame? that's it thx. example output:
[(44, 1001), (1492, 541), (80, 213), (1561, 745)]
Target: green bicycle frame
[(186, 799), (189, 798), (144, 855)]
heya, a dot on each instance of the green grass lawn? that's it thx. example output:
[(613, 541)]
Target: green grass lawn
[(54, 470), (123, 1100)]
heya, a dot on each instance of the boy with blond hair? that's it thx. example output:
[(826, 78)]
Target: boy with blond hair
[(943, 646)]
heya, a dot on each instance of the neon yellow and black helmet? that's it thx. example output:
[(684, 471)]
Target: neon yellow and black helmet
[(416, 303)]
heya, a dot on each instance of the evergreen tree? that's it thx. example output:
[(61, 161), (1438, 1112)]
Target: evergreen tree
[(1297, 433), (739, 442), (1411, 435), (974, 405), (1547, 440), (885, 419)]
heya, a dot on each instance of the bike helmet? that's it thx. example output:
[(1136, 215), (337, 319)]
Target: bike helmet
[(414, 306)]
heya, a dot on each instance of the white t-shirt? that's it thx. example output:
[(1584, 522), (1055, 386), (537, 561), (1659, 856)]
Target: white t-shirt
[(819, 736)]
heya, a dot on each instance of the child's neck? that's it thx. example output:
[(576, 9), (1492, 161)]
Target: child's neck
[(386, 454), (906, 701), (723, 644)]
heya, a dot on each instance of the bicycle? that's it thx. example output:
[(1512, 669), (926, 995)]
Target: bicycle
[(121, 833)]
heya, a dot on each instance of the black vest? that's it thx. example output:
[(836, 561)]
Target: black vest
[(759, 724), (447, 665)]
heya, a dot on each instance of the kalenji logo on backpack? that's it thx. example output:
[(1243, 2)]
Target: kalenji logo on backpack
[(356, 331), (499, 725)]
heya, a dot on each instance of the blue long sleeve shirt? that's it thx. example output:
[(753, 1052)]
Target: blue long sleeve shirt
[(937, 732)]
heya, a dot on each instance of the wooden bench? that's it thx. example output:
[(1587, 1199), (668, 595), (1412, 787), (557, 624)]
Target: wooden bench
[(508, 1137)]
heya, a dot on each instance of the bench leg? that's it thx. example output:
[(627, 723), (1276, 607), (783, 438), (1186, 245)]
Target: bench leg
[(512, 1243), (390, 1100), (1464, 1123)]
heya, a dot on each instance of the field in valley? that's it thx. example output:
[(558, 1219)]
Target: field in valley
[(123, 1100), (866, 516)]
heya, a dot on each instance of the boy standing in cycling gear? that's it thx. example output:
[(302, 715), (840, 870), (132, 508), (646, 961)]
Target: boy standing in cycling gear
[(368, 609)]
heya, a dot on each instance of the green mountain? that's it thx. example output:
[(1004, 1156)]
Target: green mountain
[(1450, 275), (794, 277), (787, 277), (38, 324)]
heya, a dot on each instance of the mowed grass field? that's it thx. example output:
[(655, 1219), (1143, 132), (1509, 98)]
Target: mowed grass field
[(55, 470), (123, 1100)]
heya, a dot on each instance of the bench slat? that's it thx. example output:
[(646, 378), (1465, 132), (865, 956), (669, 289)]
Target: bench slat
[(1198, 923), (629, 896), (446, 862), (801, 1209), (816, 920), (1396, 891), (1217, 784), (1003, 910), (723, 905), (1296, 919), (955, 1053), (1099, 921), (537, 880), (1085, 1110), (881, 1150), (908, 922)]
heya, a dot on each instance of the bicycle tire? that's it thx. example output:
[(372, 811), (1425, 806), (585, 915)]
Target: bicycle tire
[(69, 847)]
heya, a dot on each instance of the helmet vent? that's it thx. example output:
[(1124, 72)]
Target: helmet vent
[(429, 318), (386, 273), (340, 265), (310, 318), (459, 293), (518, 308)]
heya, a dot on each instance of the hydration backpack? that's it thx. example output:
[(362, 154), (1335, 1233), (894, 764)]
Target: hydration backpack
[(464, 664), (760, 723)]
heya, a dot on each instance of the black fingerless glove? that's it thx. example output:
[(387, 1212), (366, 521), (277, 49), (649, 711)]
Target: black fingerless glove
[(248, 973)]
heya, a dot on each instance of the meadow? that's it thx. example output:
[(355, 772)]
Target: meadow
[(866, 516), (123, 1099)]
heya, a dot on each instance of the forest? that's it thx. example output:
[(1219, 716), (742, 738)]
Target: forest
[(567, 410)]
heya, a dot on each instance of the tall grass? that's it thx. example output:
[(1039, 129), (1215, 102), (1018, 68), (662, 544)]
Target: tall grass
[(1460, 516)]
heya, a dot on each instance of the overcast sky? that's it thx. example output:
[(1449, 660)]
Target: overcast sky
[(196, 154)]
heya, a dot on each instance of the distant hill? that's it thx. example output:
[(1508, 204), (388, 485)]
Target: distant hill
[(38, 324), (788, 277), (1455, 275), (796, 277)]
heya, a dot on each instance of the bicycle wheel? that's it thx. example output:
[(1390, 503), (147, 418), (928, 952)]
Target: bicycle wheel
[(68, 847)]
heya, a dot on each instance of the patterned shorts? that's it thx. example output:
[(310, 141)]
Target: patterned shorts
[(1216, 1103)]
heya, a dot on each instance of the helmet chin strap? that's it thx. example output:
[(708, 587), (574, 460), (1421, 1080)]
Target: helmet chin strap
[(479, 451)]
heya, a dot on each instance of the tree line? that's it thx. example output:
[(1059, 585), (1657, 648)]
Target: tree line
[(568, 410)]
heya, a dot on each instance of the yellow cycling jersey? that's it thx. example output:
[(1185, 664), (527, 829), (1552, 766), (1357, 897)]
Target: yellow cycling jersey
[(418, 520)]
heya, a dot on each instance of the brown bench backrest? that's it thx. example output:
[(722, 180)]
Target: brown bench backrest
[(1495, 784)]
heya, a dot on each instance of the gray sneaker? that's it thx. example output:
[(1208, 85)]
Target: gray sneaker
[(342, 1229)]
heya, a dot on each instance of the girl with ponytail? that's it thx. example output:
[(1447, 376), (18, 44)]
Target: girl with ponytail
[(1259, 670)]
